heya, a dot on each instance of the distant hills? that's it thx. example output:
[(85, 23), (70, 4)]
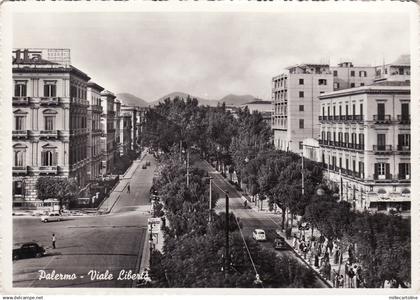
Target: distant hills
[(231, 99), (131, 100)]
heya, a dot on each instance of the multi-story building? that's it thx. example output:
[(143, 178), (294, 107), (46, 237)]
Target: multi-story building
[(261, 106), (108, 132), (117, 121), (137, 115), (399, 70), (94, 129), (50, 122), (348, 76), (125, 133), (365, 144), (296, 105)]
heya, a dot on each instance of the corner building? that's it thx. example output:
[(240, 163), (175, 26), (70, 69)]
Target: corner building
[(50, 133), (365, 144)]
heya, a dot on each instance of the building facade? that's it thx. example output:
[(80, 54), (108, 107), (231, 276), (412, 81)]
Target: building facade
[(108, 132), (261, 106), (50, 133), (347, 76), (94, 129), (296, 105), (365, 144)]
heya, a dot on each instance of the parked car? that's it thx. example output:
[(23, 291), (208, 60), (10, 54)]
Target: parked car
[(259, 235), (280, 244), (28, 250), (51, 217)]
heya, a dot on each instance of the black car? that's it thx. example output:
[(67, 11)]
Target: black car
[(28, 250), (280, 244)]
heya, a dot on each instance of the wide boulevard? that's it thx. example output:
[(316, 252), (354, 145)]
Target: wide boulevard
[(98, 243)]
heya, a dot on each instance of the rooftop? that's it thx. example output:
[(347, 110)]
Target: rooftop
[(258, 101)]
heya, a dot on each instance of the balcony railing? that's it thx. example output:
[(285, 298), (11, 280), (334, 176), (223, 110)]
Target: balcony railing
[(342, 118), (379, 177), (20, 133), (404, 177), (50, 100), (358, 118), (382, 119), (349, 118), (360, 147), (20, 169), (48, 169), (404, 119), (48, 134), (403, 149), (20, 100), (382, 148), (79, 101), (330, 118), (336, 118)]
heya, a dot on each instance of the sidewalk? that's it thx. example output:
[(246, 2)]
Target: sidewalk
[(107, 205), (262, 208)]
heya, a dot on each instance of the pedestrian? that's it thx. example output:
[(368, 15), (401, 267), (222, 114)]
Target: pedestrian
[(337, 255), (330, 245), (351, 276), (128, 188), (53, 240), (294, 241), (316, 264), (341, 281)]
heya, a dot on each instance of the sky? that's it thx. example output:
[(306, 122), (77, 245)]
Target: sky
[(210, 54)]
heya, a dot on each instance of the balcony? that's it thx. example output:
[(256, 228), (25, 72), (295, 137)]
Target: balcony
[(404, 119), (50, 101), (21, 100), (382, 177), (20, 134), (48, 134), (382, 149), (321, 142), (79, 101), (330, 118), (404, 177), (350, 145), (359, 147), (403, 149), (48, 169), (358, 118), (382, 119), (336, 118), (22, 170)]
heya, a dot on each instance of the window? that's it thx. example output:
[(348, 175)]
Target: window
[(301, 94), (401, 71), (48, 158), (361, 109), (322, 81), (352, 73), (404, 141), (301, 123), (346, 137), (49, 122), (352, 85), (335, 73), (301, 107), (361, 140), (347, 110), (381, 111), (301, 81), (18, 159), (328, 109), (381, 171), (404, 171), (19, 123), (323, 111), (339, 110), (18, 187), (347, 164), (354, 109), (301, 145), (362, 74), (362, 84), (50, 89), (20, 89), (340, 161), (405, 111), (361, 169), (381, 139), (336, 85), (333, 110)]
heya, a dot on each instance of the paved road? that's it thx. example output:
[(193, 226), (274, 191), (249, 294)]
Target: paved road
[(250, 218), (110, 242)]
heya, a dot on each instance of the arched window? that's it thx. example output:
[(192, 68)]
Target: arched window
[(19, 158), (49, 158)]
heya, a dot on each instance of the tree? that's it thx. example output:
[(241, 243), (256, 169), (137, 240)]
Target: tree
[(61, 188)]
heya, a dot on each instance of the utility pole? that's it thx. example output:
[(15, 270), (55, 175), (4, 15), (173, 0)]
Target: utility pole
[(210, 208), (303, 182), (188, 168), (227, 256), (150, 245)]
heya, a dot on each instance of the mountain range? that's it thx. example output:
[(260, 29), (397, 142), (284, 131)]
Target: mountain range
[(231, 99)]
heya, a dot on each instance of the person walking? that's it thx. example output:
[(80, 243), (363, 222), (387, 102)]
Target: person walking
[(128, 188), (53, 240)]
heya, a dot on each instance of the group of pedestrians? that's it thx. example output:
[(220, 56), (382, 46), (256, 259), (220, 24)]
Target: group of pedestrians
[(322, 253)]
